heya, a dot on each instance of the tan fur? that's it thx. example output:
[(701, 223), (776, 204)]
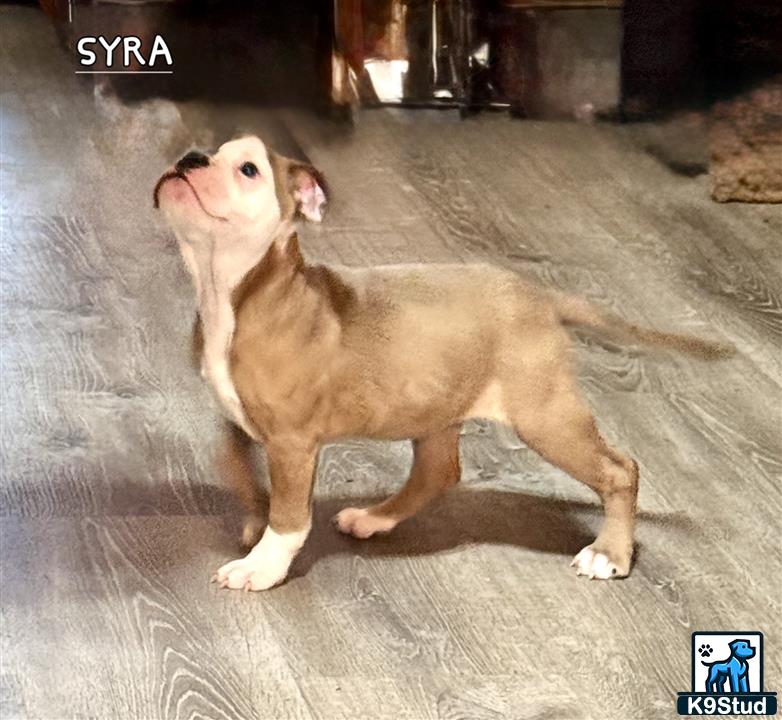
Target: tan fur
[(319, 354), (575, 312)]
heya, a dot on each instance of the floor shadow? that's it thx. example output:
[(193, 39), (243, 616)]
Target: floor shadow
[(468, 514), (465, 516)]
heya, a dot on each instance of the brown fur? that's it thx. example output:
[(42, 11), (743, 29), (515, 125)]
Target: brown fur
[(577, 313), (319, 354)]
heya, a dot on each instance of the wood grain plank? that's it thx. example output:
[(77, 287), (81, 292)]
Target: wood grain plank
[(111, 518)]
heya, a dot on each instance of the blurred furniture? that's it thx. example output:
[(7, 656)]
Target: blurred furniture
[(536, 57)]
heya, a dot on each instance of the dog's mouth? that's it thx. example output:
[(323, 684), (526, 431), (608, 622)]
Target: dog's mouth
[(170, 175), (174, 175)]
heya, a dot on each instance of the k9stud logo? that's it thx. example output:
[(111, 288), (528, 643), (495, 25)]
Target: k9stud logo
[(727, 676)]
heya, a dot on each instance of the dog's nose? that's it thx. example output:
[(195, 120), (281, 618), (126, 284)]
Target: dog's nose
[(192, 160)]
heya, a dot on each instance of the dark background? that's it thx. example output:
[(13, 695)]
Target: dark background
[(674, 53)]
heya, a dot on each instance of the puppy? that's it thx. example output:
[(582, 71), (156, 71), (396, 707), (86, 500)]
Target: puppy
[(299, 355)]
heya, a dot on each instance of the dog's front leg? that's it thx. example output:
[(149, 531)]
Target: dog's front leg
[(291, 473), (235, 465), (734, 679)]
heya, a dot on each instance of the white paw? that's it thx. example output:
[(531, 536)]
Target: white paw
[(360, 523), (250, 573), (595, 565), (266, 565)]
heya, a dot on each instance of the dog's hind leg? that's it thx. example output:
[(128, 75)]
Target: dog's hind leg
[(236, 467), (435, 468), (714, 680), (559, 426)]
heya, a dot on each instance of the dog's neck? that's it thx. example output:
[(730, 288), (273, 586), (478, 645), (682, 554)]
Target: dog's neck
[(217, 266)]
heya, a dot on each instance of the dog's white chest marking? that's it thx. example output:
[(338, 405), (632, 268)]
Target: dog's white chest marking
[(218, 323), (216, 273)]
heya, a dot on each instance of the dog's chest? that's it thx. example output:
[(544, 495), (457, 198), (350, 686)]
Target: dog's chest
[(215, 278), (218, 323)]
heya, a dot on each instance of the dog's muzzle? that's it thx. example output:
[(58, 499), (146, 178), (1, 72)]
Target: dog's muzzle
[(170, 175), (191, 161)]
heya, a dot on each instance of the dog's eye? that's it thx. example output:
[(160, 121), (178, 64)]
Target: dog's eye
[(248, 169)]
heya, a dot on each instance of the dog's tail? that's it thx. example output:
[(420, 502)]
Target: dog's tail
[(576, 312)]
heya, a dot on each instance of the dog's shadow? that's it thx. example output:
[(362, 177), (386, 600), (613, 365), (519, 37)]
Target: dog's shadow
[(463, 516), (472, 513)]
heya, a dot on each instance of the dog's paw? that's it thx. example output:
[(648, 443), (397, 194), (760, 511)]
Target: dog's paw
[(360, 523), (250, 573), (705, 650), (598, 566), (266, 565)]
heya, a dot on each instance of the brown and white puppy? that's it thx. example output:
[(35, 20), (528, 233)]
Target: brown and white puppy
[(300, 355)]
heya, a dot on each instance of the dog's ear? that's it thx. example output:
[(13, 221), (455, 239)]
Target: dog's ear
[(300, 188), (309, 191)]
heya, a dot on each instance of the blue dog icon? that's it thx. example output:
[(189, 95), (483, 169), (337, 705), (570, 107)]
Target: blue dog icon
[(735, 669)]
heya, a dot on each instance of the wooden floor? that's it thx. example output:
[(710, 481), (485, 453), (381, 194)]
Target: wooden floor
[(113, 521)]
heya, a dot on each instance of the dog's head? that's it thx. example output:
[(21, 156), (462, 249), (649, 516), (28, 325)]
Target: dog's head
[(742, 649), (243, 189)]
